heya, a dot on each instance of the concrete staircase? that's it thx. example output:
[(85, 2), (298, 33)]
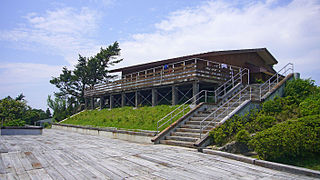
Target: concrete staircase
[(187, 133)]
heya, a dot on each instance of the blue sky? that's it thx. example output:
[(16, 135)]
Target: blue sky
[(38, 37)]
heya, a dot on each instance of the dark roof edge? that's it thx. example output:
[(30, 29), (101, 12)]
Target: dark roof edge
[(216, 53)]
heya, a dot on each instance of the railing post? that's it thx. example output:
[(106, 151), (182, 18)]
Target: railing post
[(205, 96)]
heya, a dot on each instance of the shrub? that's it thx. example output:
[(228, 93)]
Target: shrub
[(300, 89), (243, 136), (310, 106), (272, 107), (289, 139), (264, 122)]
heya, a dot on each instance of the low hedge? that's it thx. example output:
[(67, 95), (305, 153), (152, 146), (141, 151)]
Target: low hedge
[(292, 138)]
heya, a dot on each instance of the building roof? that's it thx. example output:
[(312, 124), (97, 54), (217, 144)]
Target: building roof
[(262, 52)]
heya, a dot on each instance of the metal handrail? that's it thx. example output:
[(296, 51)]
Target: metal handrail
[(195, 98), (232, 82), (275, 79), (226, 105)]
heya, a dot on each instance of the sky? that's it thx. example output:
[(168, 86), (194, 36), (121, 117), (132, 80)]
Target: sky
[(39, 37)]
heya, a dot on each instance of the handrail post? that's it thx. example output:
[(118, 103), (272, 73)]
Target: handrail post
[(205, 96)]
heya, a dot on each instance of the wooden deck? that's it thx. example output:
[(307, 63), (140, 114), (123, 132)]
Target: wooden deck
[(60, 154), (188, 70)]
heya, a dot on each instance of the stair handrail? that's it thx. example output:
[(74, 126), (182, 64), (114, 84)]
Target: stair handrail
[(195, 98), (266, 86), (232, 82), (228, 106)]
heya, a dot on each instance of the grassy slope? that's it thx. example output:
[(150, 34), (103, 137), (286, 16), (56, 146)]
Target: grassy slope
[(127, 117)]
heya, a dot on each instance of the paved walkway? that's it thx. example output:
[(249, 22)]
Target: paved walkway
[(59, 154)]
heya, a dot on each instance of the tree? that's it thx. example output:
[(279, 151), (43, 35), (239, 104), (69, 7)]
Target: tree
[(48, 113), (59, 107), (88, 72), (12, 112)]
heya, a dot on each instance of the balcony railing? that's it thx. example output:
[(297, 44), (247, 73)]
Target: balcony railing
[(186, 70)]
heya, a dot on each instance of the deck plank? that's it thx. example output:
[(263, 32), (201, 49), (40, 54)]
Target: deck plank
[(59, 154)]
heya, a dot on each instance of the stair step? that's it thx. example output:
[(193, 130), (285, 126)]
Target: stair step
[(182, 138), (177, 143), (192, 126), (188, 134), (191, 130), (195, 118), (198, 122)]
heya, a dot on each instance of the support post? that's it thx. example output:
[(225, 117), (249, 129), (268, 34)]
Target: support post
[(92, 102), (111, 101), (136, 99), (102, 102), (86, 103), (123, 99), (195, 90), (154, 94), (174, 96)]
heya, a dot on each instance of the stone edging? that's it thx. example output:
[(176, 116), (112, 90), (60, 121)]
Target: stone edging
[(267, 164), (127, 135), (114, 130)]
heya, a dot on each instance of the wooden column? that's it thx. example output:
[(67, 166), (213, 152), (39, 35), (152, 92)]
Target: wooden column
[(86, 103), (123, 99), (111, 101), (154, 94), (92, 102), (137, 99), (102, 102), (174, 96)]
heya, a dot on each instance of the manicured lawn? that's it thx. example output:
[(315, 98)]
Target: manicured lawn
[(144, 118)]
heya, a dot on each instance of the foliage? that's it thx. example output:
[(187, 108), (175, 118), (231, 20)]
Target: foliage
[(59, 107), (300, 89), (243, 136), (12, 112), (126, 117), (310, 105), (291, 138), (16, 112), (89, 71)]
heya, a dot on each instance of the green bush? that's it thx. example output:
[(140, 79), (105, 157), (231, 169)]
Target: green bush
[(243, 136), (272, 107), (264, 122), (289, 139), (300, 89), (310, 106)]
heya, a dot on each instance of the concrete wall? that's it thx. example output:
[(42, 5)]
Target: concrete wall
[(140, 137), (20, 131)]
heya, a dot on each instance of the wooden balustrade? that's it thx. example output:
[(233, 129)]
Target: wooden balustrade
[(187, 70)]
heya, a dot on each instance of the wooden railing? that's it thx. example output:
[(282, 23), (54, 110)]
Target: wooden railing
[(167, 74)]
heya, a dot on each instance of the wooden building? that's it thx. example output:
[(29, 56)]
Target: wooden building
[(172, 81)]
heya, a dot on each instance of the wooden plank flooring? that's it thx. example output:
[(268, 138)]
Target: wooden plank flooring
[(59, 154)]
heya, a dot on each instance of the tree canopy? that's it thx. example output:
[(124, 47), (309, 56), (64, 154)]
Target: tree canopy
[(88, 72), (16, 112)]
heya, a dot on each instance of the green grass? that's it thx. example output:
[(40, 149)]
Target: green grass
[(144, 118)]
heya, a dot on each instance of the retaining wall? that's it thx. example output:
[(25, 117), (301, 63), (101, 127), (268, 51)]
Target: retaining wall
[(140, 137)]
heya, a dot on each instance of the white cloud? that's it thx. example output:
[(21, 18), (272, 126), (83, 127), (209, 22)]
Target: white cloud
[(25, 73), (291, 32), (65, 31)]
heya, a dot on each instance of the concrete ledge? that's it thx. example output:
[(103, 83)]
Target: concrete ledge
[(140, 137), (229, 155), (21, 130), (266, 164)]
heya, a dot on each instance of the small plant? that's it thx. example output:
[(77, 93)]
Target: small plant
[(243, 136)]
